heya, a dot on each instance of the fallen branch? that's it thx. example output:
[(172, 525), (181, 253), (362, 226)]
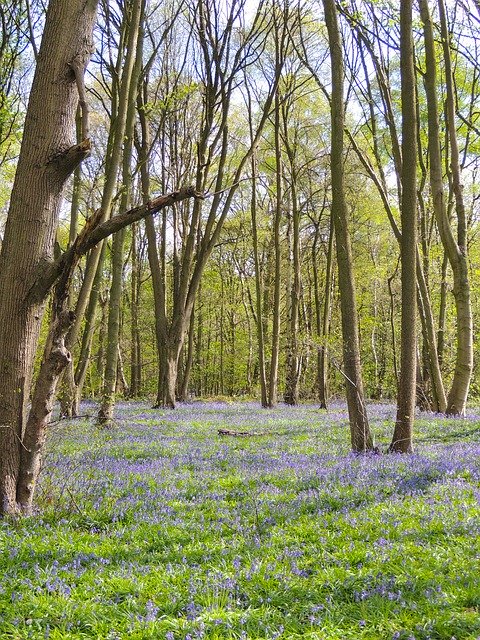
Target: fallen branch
[(237, 434)]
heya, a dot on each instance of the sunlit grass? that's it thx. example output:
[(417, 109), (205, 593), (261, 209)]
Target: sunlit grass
[(161, 528)]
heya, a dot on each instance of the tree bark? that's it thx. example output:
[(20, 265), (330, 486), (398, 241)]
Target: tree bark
[(273, 375), (361, 438), (323, 321), (48, 156), (456, 250), (402, 436), (133, 65), (429, 324), (89, 328), (135, 347), (258, 287), (56, 358), (187, 370), (293, 361)]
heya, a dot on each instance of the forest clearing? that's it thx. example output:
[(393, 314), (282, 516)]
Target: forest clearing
[(161, 528)]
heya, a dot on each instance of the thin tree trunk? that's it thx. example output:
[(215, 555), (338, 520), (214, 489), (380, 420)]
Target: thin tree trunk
[(292, 383), (199, 362), (135, 353), (89, 329), (134, 53), (121, 382), (273, 378), (442, 313), (258, 287), (68, 379), (402, 436), (326, 313), (183, 394), (158, 284), (361, 438)]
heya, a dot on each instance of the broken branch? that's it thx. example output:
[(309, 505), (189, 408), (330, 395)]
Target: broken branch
[(93, 233)]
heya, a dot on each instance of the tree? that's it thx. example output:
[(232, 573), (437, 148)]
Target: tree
[(48, 156), (361, 438), (132, 71), (86, 304), (402, 436), (376, 170), (456, 251), (220, 61)]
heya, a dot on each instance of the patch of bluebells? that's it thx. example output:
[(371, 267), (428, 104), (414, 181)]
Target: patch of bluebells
[(162, 524)]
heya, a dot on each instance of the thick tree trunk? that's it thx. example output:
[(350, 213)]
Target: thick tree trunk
[(361, 438), (48, 156), (170, 385), (402, 436)]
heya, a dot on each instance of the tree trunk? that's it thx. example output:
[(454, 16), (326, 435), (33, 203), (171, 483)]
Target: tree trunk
[(402, 436), (273, 377), (158, 283), (258, 286), (361, 438), (56, 357), (48, 156), (183, 393), (89, 329), (132, 69), (325, 323), (292, 382), (170, 384), (105, 413), (135, 350), (442, 313), (456, 250), (429, 324)]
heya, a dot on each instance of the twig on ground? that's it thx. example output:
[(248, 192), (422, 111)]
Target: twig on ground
[(242, 434)]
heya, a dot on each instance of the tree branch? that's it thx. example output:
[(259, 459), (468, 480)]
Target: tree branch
[(64, 164), (93, 233)]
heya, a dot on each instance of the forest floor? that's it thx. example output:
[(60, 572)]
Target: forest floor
[(162, 528)]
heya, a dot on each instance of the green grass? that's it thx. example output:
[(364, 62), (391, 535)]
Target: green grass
[(160, 528)]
